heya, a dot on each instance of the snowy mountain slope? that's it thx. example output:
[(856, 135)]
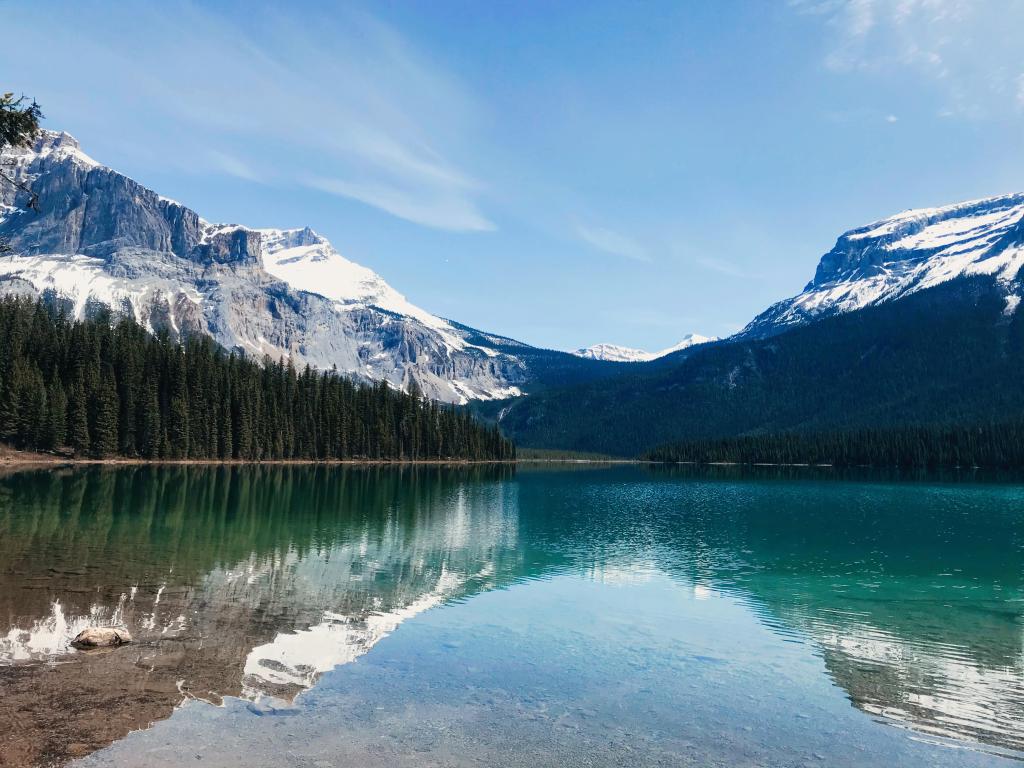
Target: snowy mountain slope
[(617, 354), (99, 238), (613, 353), (308, 262), (906, 253)]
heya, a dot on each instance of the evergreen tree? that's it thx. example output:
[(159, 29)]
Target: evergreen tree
[(55, 428), (150, 426), (178, 428), (105, 421), (78, 417)]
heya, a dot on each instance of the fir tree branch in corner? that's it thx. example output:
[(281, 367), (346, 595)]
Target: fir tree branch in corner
[(19, 125)]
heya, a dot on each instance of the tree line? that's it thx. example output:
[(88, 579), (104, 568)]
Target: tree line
[(104, 386), (996, 445)]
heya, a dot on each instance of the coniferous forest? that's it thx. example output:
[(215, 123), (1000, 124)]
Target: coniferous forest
[(105, 387), (996, 445), (946, 355)]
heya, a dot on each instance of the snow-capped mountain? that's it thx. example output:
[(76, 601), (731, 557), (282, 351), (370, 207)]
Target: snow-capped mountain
[(613, 353), (616, 354), (906, 253), (96, 237)]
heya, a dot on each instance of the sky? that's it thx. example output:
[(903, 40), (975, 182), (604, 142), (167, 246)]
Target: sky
[(564, 173)]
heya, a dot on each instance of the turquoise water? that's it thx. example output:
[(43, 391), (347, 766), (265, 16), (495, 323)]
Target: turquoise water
[(594, 616)]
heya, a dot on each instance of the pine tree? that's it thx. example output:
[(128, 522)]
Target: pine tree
[(178, 428), (151, 428), (105, 421), (55, 427), (78, 417)]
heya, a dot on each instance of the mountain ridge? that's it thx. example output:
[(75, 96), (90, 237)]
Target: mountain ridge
[(98, 238)]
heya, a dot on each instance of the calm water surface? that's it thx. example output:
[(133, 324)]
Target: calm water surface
[(500, 617)]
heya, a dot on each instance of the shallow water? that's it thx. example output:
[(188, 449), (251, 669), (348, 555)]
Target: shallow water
[(491, 616)]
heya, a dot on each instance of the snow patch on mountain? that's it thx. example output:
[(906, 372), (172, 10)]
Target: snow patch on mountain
[(307, 261), (909, 252), (617, 354), (83, 279)]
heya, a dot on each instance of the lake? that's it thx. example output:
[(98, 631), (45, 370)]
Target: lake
[(503, 616)]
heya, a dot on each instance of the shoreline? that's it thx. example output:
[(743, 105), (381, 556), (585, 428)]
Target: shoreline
[(12, 458)]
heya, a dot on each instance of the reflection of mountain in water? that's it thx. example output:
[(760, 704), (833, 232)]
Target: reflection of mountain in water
[(912, 593), (254, 581), (233, 581)]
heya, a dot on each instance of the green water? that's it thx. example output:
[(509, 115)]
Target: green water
[(500, 616)]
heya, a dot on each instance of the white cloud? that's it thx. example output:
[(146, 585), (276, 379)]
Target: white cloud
[(232, 166), (725, 268), (965, 51), (335, 94), (860, 17), (612, 242), (891, 119), (448, 212)]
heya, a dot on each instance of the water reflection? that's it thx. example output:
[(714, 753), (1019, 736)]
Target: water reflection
[(253, 582), (234, 582), (912, 592)]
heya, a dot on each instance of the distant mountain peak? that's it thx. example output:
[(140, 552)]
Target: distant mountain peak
[(618, 354)]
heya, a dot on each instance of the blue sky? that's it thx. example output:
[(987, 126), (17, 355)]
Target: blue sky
[(565, 173)]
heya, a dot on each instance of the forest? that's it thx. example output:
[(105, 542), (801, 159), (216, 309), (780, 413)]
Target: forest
[(105, 387), (994, 445), (946, 355)]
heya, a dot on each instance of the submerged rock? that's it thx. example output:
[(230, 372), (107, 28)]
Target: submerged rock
[(101, 637)]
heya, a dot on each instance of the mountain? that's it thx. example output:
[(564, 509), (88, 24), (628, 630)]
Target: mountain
[(870, 315), (912, 320), (909, 252), (616, 354), (98, 238)]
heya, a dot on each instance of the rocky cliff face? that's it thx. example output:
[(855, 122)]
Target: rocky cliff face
[(98, 238), (906, 253)]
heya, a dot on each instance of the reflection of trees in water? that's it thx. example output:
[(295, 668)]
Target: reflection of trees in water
[(150, 525), (204, 564), (243, 575)]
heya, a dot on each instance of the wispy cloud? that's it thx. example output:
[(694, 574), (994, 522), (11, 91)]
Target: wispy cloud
[(725, 267), (612, 242), (232, 166), (336, 95), (966, 50), (860, 115), (442, 211)]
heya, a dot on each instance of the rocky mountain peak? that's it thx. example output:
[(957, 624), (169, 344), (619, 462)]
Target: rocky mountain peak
[(917, 234), (97, 237), (908, 252)]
